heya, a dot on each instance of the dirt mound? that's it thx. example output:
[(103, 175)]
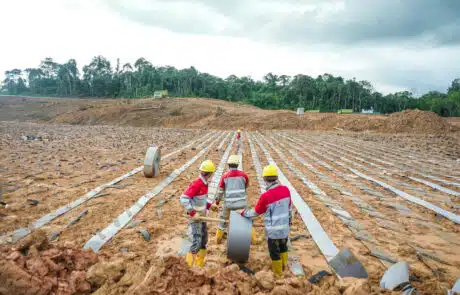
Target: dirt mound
[(416, 121), (210, 114), (34, 267)]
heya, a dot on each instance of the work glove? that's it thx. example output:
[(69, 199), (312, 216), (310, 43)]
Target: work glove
[(196, 216)]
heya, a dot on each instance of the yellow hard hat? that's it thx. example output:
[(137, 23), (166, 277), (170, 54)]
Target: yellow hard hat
[(207, 166), (239, 130), (270, 170), (233, 159)]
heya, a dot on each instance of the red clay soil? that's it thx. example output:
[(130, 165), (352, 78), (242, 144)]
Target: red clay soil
[(416, 121), (210, 114), (35, 267)]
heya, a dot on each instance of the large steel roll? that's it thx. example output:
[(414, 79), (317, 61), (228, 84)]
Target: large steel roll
[(152, 162), (239, 238)]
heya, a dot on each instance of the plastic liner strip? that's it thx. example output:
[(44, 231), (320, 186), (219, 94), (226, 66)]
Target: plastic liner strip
[(322, 240), (421, 191), (294, 261), (397, 158), (402, 153), (23, 232), (336, 208), (433, 185), (256, 162), (449, 215), (422, 169), (214, 183), (240, 152), (219, 147), (342, 214), (99, 239)]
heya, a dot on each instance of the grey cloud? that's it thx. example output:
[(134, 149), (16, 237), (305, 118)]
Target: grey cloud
[(359, 24), (359, 21)]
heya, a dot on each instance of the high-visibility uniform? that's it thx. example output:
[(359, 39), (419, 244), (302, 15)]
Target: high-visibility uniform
[(194, 199), (275, 204), (238, 140), (232, 188)]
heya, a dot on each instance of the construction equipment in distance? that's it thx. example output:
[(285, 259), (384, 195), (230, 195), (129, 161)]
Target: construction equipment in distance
[(345, 111), (160, 94)]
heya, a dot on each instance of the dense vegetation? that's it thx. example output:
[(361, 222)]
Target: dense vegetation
[(325, 93)]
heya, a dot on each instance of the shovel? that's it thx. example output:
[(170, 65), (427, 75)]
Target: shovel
[(210, 219)]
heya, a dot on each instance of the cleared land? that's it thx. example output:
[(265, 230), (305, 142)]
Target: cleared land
[(333, 172)]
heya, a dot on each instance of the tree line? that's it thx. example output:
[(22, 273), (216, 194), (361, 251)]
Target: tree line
[(325, 93)]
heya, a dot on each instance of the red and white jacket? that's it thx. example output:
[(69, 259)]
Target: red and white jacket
[(195, 197), (233, 185), (275, 204), (238, 135)]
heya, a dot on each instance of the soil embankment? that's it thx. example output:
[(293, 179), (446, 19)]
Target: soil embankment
[(210, 114)]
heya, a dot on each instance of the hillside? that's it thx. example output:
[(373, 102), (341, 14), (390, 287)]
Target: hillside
[(209, 114)]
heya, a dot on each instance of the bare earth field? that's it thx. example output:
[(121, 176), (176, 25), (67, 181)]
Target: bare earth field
[(386, 179)]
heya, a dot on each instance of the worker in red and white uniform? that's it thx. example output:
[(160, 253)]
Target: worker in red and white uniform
[(238, 139), (195, 201), (275, 204), (232, 190)]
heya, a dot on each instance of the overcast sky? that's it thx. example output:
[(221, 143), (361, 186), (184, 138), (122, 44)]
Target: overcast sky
[(394, 44)]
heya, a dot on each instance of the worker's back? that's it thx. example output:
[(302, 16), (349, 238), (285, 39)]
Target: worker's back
[(235, 183)]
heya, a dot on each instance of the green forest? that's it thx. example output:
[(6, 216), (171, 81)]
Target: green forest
[(325, 93)]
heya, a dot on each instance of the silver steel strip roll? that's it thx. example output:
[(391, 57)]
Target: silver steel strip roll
[(152, 162), (239, 237)]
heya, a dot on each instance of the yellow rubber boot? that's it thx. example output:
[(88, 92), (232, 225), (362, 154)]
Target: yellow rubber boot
[(219, 235), (200, 258), (190, 259), (284, 259), (253, 237), (277, 268)]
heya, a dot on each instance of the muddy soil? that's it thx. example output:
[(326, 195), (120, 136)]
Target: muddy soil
[(67, 161)]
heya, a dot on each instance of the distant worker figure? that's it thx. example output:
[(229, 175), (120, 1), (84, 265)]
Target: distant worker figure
[(238, 139), (275, 203), (195, 201), (232, 189)]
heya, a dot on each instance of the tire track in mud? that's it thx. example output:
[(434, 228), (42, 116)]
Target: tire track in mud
[(396, 241), (102, 210)]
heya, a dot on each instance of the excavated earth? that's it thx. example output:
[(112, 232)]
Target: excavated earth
[(211, 114), (48, 162)]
